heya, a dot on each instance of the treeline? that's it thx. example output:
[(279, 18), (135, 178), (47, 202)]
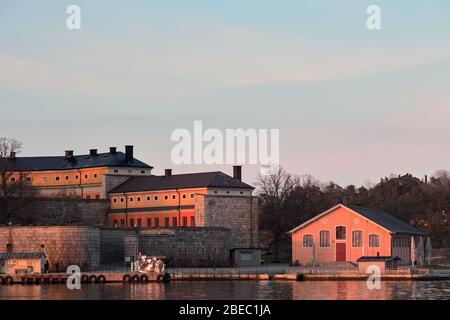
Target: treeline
[(288, 200)]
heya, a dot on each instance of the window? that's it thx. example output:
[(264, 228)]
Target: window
[(28, 178), (148, 198), (324, 238), (156, 222), (192, 195), (139, 221), (192, 221), (88, 197), (115, 223), (340, 233), (156, 198), (228, 192), (166, 222), (184, 196), (121, 199), (76, 177), (122, 222), (374, 241), (130, 171), (242, 192), (97, 196), (149, 222), (138, 198), (184, 221), (95, 175), (356, 238), (174, 196), (142, 172), (131, 199), (215, 191), (307, 241), (174, 221), (85, 176), (116, 171), (57, 178), (166, 197), (13, 179), (132, 222), (67, 177), (114, 200)]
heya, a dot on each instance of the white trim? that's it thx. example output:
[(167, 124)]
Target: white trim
[(368, 240), (308, 234), (361, 239), (329, 238)]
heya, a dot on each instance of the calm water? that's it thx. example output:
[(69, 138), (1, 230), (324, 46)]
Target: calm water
[(236, 290)]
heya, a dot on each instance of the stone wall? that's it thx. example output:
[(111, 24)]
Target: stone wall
[(110, 181), (183, 247), (240, 214), (65, 211), (112, 244), (63, 245)]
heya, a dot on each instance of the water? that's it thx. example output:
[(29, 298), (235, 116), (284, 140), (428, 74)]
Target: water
[(236, 290)]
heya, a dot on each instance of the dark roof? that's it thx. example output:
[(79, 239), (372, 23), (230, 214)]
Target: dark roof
[(22, 255), (81, 161), (386, 220), (215, 179), (377, 258)]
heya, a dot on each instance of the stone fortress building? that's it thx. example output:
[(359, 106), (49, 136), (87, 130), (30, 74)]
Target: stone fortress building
[(196, 219)]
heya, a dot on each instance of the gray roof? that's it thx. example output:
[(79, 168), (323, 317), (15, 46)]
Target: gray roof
[(215, 179), (22, 255), (79, 161), (386, 220)]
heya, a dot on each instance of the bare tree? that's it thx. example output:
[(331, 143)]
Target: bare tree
[(64, 207), (274, 190), (16, 192)]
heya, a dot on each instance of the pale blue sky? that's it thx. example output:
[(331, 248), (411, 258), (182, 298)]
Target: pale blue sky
[(351, 104)]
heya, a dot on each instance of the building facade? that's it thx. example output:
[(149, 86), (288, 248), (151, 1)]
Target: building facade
[(89, 176), (346, 233)]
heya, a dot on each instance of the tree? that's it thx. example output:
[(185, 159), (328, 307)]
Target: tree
[(274, 190), (16, 192)]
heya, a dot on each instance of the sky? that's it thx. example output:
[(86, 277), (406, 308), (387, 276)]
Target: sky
[(351, 104)]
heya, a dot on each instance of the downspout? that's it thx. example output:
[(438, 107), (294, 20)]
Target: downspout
[(79, 185), (251, 220), (126, 209), (179, 207)]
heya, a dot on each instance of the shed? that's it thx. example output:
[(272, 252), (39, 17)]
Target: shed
[(22, 263), (383, 262)]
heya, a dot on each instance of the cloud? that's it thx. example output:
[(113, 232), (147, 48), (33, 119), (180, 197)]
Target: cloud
[(202, 57)]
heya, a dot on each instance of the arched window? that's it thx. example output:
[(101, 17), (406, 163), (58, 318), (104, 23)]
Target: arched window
[(324, 239), (340, 233), (356, 238), (374, 240), (307, 241)]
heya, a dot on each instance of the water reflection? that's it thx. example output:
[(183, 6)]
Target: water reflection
[(236, 290)]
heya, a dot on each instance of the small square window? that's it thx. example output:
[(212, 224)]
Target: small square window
[(114, 200), (95, 175), (192, 195), (76, 177), (184, 196), (85, 176), (13, 179), (148, 198), (121, 199), (142, 172), (174, 196), (156, 198), (138, 198), (131, 199), (57, 178), (215, 191), (228, 192), (67, 177), (166, 197)]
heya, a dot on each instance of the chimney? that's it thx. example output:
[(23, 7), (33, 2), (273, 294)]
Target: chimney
[(168, 172), (93, 152), (112, 150), (69, 155), (129, 153), (426, 178), (237, 172)]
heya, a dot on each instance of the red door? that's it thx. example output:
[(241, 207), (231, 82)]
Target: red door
[(340, 252)]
